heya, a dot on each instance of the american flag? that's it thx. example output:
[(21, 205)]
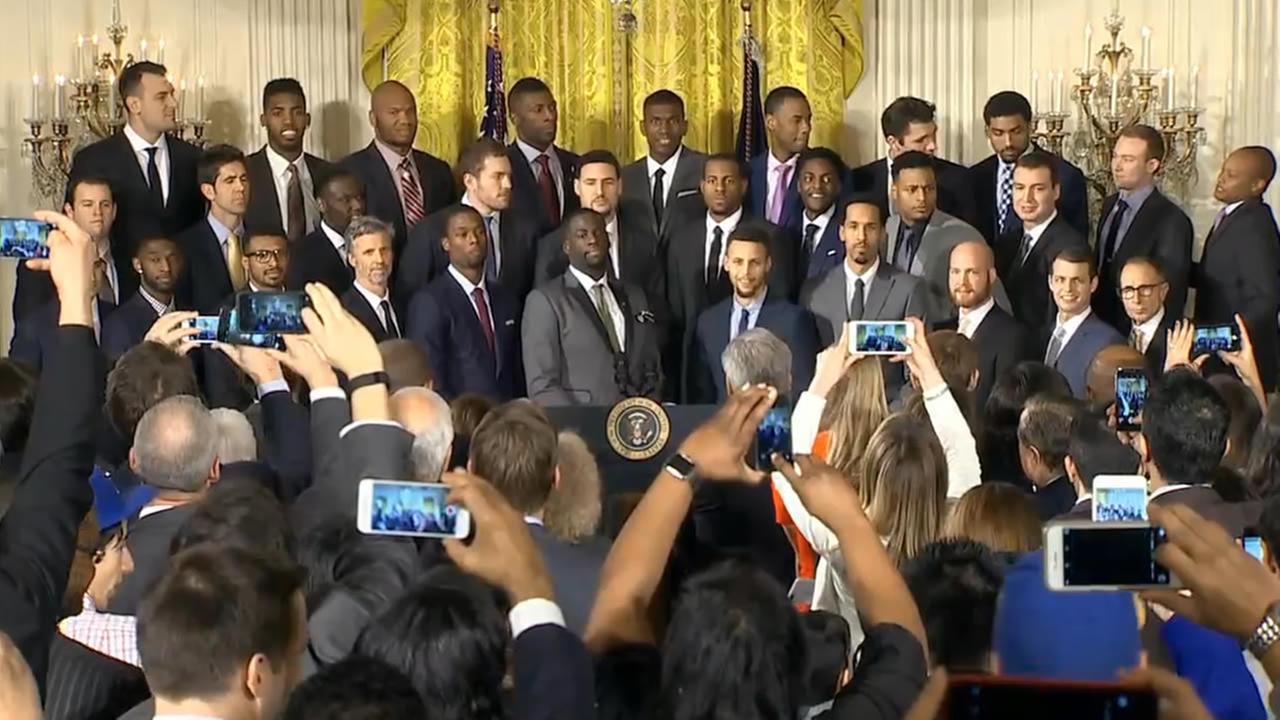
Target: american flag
[(751, 140), (494, 123)]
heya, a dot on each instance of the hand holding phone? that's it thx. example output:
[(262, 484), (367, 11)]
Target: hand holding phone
[(1119, 498), (206, 327), (410, 509), (773, 436), (1087, 555), (271, 313), (1211, 339), (24, 238), (881, 337), (1131, 397)]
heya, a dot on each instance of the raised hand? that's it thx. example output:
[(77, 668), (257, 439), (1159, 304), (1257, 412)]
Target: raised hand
[(832, 364), (343, 339), (171, 331), (718, 447)]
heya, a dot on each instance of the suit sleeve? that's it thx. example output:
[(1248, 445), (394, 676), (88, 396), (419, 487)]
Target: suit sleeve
[(287, 443), (546, 252), (804, 351), (429, 328), (917, 302), (1173, 250), (702, 374), (1257, 299), (540, 348), (25, 345), (553, 675), (418, 265), (328, 417), (1074, 202)]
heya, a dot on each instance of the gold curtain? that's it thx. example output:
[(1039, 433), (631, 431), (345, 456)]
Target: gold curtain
[(600, 75)]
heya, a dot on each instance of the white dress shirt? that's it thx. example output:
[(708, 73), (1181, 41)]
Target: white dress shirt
[(752, 308), (469, 289), (971, 319), (1036, 231), (280, 174), (531, 154), (1070, 327), (493, 221), (375, 302), (335, 237), (615, 312), (611, 229), (851, 280), (162, 156), (773, 175), (669, 172), (728, 225), (1147, 330), (821, 221)]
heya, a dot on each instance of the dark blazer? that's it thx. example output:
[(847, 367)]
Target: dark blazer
[(1073, 361), (148, 543), (757, 199), (36, 337), (638, 253), (1081, 510), (1160, 230), (84, 684), (792, 324), (1158, 347), (127, 325), (315, 259), (737, 521), (204, 282), (1028, 283), (553, 674), (1001, 343), (955, 196), (526, 203), (1239, 272), (382, 189), (827, 253), (136, 216), (684, 191), (1208, 503), (1055, 498), (575, 573), (443, 320), (34, 288), (264, 203), (354, 303), (1073, 203)]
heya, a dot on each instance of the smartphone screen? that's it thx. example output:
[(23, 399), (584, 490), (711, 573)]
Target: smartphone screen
[(1112, 556), (881, 338), (1119, 499), (773, 436), (1253, 545), (229, 332), (24, 238), (1131, 396), (271, 312), (206, 329), (409, 508), (997, 699), (1215, 338)]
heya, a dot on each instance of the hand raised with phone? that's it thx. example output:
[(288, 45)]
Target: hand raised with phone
[(718, 448), (343, 339)]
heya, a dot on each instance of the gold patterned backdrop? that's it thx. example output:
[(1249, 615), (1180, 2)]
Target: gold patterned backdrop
[(600, 75)]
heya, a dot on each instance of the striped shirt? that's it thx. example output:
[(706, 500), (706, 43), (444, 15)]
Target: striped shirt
[(113, 635)]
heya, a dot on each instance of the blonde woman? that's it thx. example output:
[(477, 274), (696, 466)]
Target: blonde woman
[(905, 476)]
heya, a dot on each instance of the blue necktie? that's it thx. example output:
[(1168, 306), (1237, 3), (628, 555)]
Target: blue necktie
[(744, 322)]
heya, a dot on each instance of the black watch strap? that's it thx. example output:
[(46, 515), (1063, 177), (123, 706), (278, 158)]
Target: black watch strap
[(367, 379), (680, 467)]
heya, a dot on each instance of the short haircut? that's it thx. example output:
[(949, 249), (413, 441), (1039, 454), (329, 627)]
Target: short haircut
[(175, 445), (753, 235), (830, 646), (913, 160), (955, 584), (151, 240), (999, 515), (146, 374), (334, 175), (1244, 414), (214, 159), (355, 688), (242, 515), (820, 153), (130, 81), (17, 403), (663, 97), (1077, 256), (955, 355), (1266, 162), (261, 231), (474, 155), (1046, 427), (362, 225), (1038, 160), (235, 439), (406, 363), (858, 198), (282, 86), (468, 411), (515, 449), (773, 101), (1006, 103), (1149, 135), (1147, 260), (526, 86), (599, 157), (96, 180), (757, 356), (214, 609), (1095, 450), (449, 213), (1185, 424), (431, 444), (904, 111), (728, 158)]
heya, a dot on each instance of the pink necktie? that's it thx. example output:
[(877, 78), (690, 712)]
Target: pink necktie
[(779, 193)]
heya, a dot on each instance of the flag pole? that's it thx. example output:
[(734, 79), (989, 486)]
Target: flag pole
[(493, 123), (493, 15)]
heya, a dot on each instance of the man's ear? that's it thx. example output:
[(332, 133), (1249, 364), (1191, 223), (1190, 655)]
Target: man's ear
[(974, 378), (1073, 471), (555, 478), (255, 672), (133, 460)]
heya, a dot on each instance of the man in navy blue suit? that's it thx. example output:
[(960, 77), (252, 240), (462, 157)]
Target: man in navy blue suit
[(747, 262), (36, 338), (468, 325), (158, 263), (820, 171), (788, 122), (1076, 334)]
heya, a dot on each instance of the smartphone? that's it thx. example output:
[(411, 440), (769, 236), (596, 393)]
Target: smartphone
[(1215, 338), (773, 436), (207, 327), (1119, 498), (1252, 544), (1084, 555), (1131, 396), (24, 238), (274, 313), (229, 332), (881, 338), (996, 698), (411, 509)]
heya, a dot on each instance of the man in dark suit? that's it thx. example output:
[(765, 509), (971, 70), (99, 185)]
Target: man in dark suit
[(820, 170), (1140, 220), (585, 339), (1044, 433), (369, 251), (788, 120), (213, 247), (284, 194), (1143, 290), (748, 264), (402, 185), (1239, 269), (666, 180), (1007, 115), (1076, 334), (1024, 256), (152, 173), (910, 123), (541, 173), (321, 256), (469, 325), (36, 338), (158, 264), (1092, 450)]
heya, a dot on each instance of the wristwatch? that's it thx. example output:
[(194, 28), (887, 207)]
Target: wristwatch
[(1267, 634), (681, 467)]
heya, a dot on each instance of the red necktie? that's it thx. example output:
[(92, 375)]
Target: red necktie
[(413, 207), (547, 186), (486, 320)]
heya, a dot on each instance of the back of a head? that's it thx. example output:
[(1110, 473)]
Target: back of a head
[(855, 408), (828, 641), (1184, 424), (757, 356), (235, 438), (1010, 392), (146, 374), (734, 648), (998, 515), (1046, 427), (1095, 450), (425, 414), (1242, 408), (356, 688), (174, 446), (955, 584), (904, 483), (406, 363), (468, 410), (574, 506), (515, 449), (957, 359), (1100, 379), (1269, 525), (244, 516), (1263, 471)]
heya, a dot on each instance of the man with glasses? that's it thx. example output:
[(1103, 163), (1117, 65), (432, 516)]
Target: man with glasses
[(1143, 289), (266, 260)]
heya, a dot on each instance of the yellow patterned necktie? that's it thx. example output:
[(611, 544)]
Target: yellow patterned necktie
[(235, 266)]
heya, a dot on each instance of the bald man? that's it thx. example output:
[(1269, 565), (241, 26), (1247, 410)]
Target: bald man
[(402, 185), (1000, 340), (1240, 264), (1100, 382)]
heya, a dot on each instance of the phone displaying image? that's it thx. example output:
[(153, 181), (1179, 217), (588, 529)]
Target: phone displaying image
[(1084, 555), (773, 436), (24, 238), (229, 332), (1215, 338), (1131, 396), (880, 338), (275, 313), (997, 698), (1119, 498), (1252, 544), (206, 329), (410, 509)]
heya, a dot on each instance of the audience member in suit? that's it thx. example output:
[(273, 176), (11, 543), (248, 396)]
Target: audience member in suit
[(1044, 434), (469, 326), (541, 173), (666, 179), (820, 170), (37, 337), (1025, 256), (910, 123), (1140, 220), (1143, 290), (369, 243), (285, 191), (402, 185), (585, 339), (788, 120), (213, 246), (152, 173), (1076, 334), (158, 265), (633, 247), (747, 263), (695, 263), (1007, 116), (920, 237), (1092, 450), (321, 256), (84, 683), (1239, 268)]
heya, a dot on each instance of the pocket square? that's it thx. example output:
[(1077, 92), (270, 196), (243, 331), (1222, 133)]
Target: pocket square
[(686, 193), (644, 317), (509, 323)]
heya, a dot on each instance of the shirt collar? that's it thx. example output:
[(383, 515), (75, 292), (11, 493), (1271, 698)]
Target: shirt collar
[(728, 225), (1149, 327), (222, 231), (390, 154), (373, 300), (651, 165), (586, 282), (1037, 230), (531, 153), (756, 303), (466, 200), (1165, 490), (280, 164), (139, 145), (611, 226), (979, 313), (87, 604), (851, 277), (774, 163), (822, 220), (155, 304), (335, 237), (1232, 207), (467, 286), (1135, 198), (1073, 324)]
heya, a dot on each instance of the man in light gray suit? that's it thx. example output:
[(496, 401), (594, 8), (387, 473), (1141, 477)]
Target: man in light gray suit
[(668, 178), (587, 339)]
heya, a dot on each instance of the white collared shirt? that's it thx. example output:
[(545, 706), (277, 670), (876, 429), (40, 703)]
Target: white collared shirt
[(727, 226), (611, 229), (1037, 230), (531, 154), (669, 172), (222, 232), (851, 281), (615, 312), (469, 289), (335, 237), (821, 221), (280, 174), (162, 156), (1070, 327), (970, 320), (773, 176), (493, 223), (1147, 330), (375, 302), (752, 308)]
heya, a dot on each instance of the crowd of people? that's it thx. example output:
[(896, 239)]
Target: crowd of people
[(180, 536)]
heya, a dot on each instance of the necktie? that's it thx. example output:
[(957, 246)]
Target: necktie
[(1004, 203), (810, 238), (491, 258), (1113, 232), (486, 320), (605, 316), (712, 273), (547, 187), (1135, 339), (906, 250), (659, 195), (389, 320), (1024, 249), (1055, 346), (857, 304), (963, 325), (411, 194), (744, 322), (235, 264), (105, 292), (783, 175), (295, 208), (154, 186)]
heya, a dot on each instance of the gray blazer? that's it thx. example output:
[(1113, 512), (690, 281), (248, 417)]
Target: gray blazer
[(684, 186), (1086, 342), (567, 358), (894, 295), (933, 260)]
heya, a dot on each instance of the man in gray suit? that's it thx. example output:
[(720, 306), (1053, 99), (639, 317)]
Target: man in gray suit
[(1075, 335), (668, 178), (587, 339), (920, 237)]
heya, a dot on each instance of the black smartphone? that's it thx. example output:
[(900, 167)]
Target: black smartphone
[(997, 698), (229, 332), (1215, 338), (1131, 396), (24, 238), (773, 436), (271, 313), (1087, 555)]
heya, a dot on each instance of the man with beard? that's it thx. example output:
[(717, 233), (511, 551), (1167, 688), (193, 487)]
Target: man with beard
[(371, 257), (283, 176), (158, 263)]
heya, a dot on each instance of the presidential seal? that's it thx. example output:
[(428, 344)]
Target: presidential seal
[(638, 428)]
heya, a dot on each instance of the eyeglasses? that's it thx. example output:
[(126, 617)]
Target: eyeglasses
[(263, 257), (1145, 291)]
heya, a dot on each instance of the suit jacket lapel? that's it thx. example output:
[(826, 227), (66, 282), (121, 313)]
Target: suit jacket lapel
[(579, 295), (463, 303), (136, 171), (891, 241), (879, 292), (264, 171)]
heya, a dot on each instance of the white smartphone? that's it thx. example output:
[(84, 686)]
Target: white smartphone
[(410, 509), (1082, 555), (1120, 498), (873, 337)]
